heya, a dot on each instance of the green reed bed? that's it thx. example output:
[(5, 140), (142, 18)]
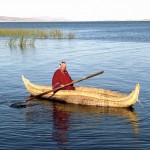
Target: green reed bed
[(36, 33), (22, 32), (26, 37)]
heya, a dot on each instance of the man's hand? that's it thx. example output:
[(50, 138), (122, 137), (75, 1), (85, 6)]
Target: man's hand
[(61, 85)]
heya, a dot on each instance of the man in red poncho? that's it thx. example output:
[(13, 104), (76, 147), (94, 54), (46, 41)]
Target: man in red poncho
[(61, 77)]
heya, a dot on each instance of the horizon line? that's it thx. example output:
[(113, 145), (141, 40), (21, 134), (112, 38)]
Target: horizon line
[(51, 19)]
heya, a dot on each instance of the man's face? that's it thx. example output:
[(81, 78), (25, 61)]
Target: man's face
[(63, 66)]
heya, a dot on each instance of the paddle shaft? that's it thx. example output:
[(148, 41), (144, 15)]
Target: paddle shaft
[(59, 88)]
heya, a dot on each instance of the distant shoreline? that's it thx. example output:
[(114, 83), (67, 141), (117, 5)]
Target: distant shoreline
[(48, 19)]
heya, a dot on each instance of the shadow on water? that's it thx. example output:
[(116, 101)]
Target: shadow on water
[(59, 115), (60, 125)]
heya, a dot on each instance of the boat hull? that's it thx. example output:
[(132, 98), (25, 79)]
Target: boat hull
[(86, 95)]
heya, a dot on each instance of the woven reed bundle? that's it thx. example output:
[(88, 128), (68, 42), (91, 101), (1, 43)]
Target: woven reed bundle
[(87, 95)]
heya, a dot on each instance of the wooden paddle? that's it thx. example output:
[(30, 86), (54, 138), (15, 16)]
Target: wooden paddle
[(59, 88)]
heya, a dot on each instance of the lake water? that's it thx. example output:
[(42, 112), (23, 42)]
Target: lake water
[(120, 49)]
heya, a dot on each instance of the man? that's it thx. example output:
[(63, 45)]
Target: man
[(61, 77)]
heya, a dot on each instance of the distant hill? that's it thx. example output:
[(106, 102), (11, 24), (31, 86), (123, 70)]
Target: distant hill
[(33, 19), (46, 19)]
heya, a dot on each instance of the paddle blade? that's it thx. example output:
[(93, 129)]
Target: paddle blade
[(22, 105)]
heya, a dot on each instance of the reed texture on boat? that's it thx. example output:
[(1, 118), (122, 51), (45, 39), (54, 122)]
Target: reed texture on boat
[(86, 95)]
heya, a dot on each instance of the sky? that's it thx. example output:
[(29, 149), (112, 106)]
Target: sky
[(78, 10)]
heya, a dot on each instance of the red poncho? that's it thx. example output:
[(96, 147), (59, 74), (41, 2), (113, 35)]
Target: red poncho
[(60, 77)]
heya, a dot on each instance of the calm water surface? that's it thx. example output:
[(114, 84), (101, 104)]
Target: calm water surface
[(121, 49)]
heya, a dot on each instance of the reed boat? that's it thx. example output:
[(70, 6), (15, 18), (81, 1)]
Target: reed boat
[(86, 95)]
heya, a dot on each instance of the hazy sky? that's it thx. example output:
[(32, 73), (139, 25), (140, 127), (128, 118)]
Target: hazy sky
[(78, 10)]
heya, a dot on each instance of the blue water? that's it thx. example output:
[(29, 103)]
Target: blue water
[(120, 49)]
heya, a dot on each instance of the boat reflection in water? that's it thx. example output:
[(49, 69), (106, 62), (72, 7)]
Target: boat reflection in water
[(125, 113), (60, 117)]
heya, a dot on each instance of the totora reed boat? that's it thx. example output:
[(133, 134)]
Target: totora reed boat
[(86, 95)]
